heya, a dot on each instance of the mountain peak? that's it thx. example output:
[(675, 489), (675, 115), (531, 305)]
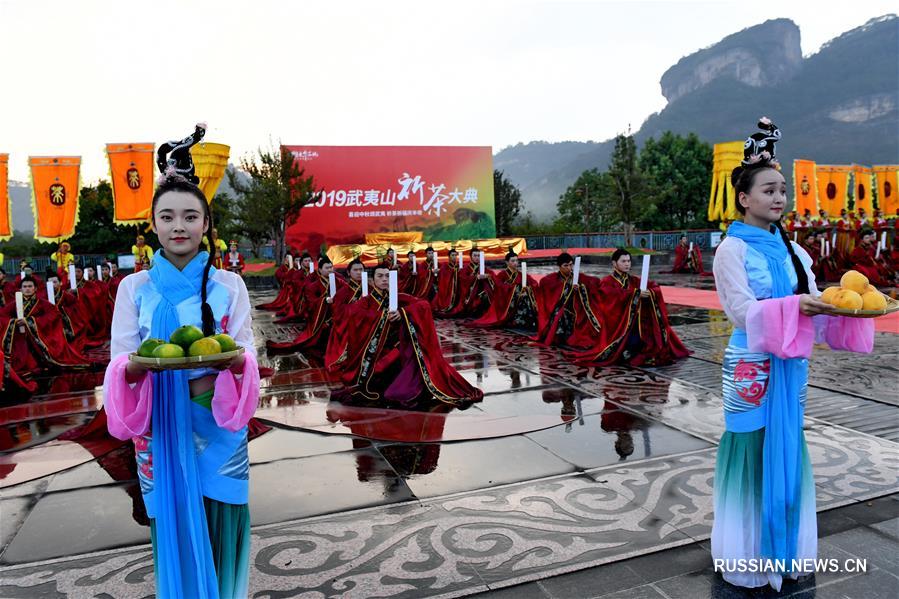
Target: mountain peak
[(761, 55)]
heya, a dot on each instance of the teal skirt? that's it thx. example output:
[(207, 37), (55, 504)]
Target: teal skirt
[(736, 532), (229, 534)]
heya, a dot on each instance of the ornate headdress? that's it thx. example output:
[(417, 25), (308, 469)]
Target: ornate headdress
[(173, 157), (759, 147)]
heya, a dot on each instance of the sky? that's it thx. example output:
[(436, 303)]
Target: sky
[(77, 75)]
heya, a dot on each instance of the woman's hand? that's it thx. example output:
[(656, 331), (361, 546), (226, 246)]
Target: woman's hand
[(810, 305), (393, 316), (134, 372), (645, 293)]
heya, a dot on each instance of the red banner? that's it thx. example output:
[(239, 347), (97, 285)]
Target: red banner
[(444, 192)]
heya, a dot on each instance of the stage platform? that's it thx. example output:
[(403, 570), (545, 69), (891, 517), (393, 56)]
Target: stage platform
[(559, 471)]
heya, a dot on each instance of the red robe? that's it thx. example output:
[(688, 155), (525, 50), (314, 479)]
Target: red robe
[(234, 263), (42, 346), (337, 340), (10, 381), (397, 361), (425, 281), (687, 262), (283, 274), (588, 312), (94, 296), (314, 337), (480, 292), (510, 305), (295, 308), (555, 309), (636, 330), (862, 259), (448, 290)]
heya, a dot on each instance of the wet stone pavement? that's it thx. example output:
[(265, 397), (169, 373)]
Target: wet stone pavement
[(564, 482)]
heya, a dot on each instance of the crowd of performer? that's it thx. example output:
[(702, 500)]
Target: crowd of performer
[(850, 242), (393, 355)]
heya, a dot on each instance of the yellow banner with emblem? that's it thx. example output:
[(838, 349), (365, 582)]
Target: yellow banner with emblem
[(805, 186), (862, 188), (833, 187)]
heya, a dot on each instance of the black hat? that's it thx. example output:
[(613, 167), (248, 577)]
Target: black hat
[(173, 157), (759, 147)]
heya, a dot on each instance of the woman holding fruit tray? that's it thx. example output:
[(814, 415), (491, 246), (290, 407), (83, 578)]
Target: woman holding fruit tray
[(764, 493), (189, 426)]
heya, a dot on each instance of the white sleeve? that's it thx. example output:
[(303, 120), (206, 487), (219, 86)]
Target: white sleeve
[(125, 334), (732, 282), (240, 319)]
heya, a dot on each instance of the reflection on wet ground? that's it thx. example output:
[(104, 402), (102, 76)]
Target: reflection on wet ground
[(540, 417)]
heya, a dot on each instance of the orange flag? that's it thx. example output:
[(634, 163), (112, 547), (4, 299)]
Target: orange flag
[(863, 197), (131, 171), (5, 202), (55, 183), (806, 187), (887, 188), (833, 185)]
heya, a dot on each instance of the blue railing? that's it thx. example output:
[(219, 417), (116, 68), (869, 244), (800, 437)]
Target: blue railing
[(656, 240)]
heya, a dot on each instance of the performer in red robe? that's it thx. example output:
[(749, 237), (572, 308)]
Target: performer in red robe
[(346, 295), (408, 279), (314, 338), (686, 261), (234, 259), (512, 305), (390, 259), (395, 356), (281, 276), (865, 260), (881, 226), (11, 383), (476, 288), (845, 238), (36, 344), (636, 330), (115, 277), (426, 287), (94, 296), (448, 293), (555, 304), (295, 308)]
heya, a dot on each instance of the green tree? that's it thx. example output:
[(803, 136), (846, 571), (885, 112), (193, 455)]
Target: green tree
[(678, 172), (224, 217), (585, 205), (272, 198), (507, 200), (629, 184)]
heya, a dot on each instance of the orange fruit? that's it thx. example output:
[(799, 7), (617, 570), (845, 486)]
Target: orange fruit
[(870, 288), (854, 281), (874, 300), (206, 346), (828, 294), (848, 299), (168, 350)]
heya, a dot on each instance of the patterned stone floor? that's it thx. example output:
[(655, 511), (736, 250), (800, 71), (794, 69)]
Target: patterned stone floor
[(560, 469)]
